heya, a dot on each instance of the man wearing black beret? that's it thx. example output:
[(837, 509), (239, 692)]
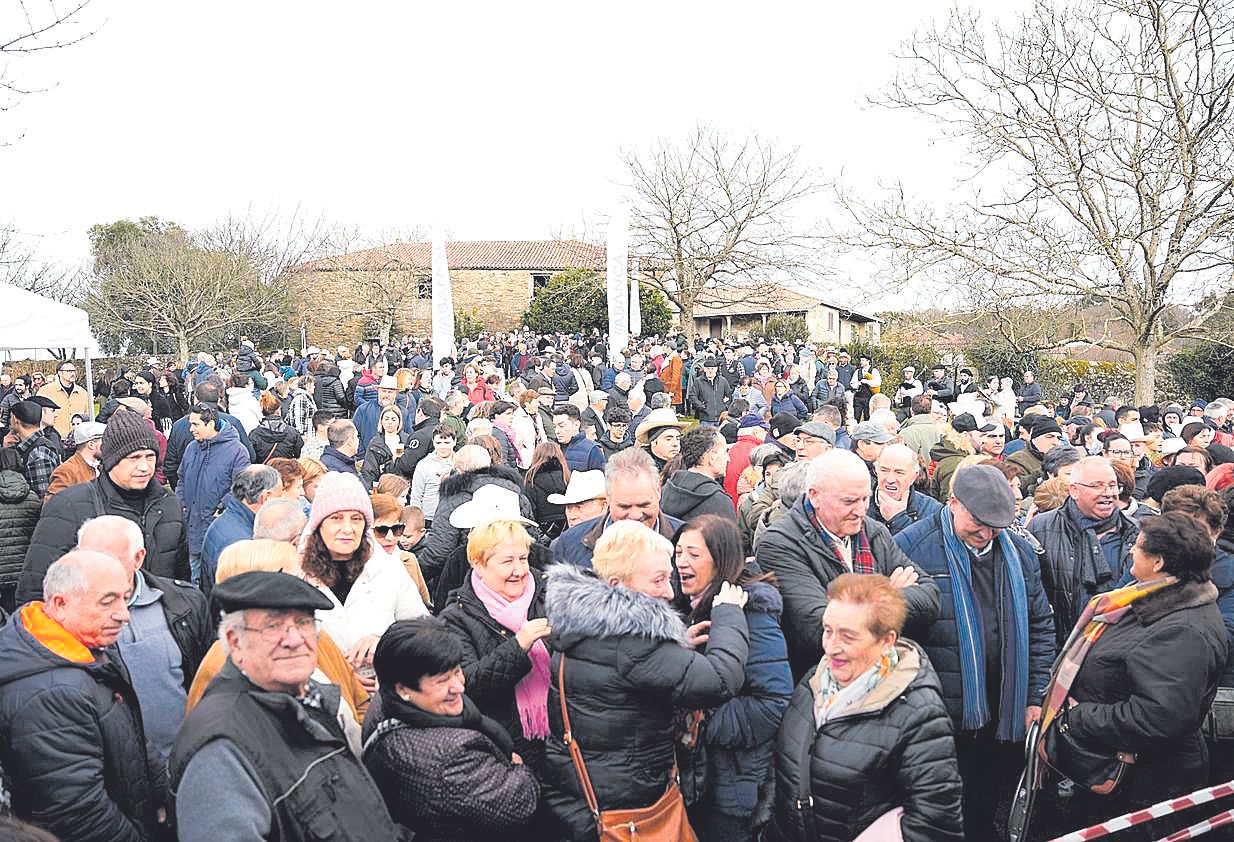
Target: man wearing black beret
[(262, 755)]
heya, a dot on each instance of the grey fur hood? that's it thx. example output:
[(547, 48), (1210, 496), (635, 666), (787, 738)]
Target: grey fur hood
[(580, 606)]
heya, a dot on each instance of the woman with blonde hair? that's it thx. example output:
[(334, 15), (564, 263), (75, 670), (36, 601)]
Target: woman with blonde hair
[(313, 472), (280, 557), (388, 528)]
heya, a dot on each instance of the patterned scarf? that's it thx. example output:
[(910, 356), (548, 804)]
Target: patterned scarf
[(1012, 608), (531, 693), (863, 558), (1102, 611), (832, 700)]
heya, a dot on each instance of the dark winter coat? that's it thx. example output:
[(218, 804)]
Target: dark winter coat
[(446, 778), (181, 437), (804, 567), (19, 513), (378, 459), (456, 490), (328, 393), (790, 403), (923, 542), (157, 512), (920, 506), (205, 479), (627, 670), (947, 456), (71, 739), (706, 399), (551, 516), (1146, 686), (419, 444), (740, 734), (1223, 577), (493, 661), (274, 438), (894, 749), (1074, 568), (335, 460), (688, 494), (576, 545)]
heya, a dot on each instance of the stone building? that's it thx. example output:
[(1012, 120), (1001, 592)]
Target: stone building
[(743, 311), (387, 291)]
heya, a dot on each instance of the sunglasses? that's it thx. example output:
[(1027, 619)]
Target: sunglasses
[(395, 529)]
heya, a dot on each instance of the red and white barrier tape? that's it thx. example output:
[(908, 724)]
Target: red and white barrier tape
[(1200, 828), (1163, 808)]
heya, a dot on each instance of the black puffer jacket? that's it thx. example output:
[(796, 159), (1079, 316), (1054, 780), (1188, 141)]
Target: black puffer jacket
[(1147, 684), (688, 494), (1074, 567), (548, 480), (456, 490), (894, 749), (19, 512), (627, 669), (328, 392), (493, 661), (157, 512), (71, 739), (274, 438), (378, 459), (804, 567)]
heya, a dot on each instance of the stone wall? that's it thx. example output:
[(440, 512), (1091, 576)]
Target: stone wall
[(333, 303)]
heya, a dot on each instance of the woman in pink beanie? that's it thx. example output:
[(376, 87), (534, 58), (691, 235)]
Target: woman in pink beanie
[(370, 589)]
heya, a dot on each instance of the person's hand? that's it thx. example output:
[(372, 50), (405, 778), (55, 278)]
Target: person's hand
[(696, 635), (903, 577), (1032, 713), (744, 486), (515, 759), (731, 594), (890, 507), (532, 631), (367, 679), (361, 652)]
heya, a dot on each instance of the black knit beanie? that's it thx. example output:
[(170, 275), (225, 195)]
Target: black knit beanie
[(126, 433)]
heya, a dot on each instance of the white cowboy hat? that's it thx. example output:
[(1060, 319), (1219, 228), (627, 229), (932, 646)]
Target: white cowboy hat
[(488, 504), (583, 486), (387, 382), (662, 417)]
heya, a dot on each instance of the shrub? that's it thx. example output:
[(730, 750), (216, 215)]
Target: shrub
[(576, 300), (786, 328), (467, 325)]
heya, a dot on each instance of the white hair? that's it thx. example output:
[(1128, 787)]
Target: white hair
[(64, 578), (136, 540), (472, 457), (279, 519), (230, 621)]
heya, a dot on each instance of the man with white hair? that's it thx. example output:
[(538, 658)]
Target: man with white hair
[(250, 489), (70, 724), (280, 519), (897, 504), (828, 533), (162, 644)]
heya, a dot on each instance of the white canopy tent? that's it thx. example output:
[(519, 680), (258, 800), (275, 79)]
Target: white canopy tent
[(30, 322)]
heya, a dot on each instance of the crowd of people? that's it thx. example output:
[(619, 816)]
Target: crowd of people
[(547, 589)]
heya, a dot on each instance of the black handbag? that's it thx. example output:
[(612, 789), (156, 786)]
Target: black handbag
[(1089, 765)]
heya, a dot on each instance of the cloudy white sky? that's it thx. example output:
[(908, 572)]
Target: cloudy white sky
[(503, 121)]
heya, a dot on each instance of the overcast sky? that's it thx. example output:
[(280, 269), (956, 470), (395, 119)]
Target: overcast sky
[(503, 121)]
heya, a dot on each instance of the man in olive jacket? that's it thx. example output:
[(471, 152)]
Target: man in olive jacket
[(827, 534)]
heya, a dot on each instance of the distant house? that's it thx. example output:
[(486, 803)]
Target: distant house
[(743, 311), (365, 292)]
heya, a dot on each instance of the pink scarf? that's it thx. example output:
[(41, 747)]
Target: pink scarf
[(530, 694)]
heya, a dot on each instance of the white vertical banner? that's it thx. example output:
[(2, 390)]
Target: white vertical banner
[(636, 310), (618, 249), (443, 300)]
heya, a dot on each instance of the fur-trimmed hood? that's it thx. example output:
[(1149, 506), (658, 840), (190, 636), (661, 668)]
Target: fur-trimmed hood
[(580, 606), (469, 481)]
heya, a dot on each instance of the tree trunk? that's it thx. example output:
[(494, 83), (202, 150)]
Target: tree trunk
[(687, 316), (1145, 373), (182, 345)]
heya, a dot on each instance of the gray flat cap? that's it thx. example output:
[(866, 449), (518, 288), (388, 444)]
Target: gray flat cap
[(819, 430), (985, 492)]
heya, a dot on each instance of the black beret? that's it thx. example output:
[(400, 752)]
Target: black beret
[(44, 402), (259, 589)]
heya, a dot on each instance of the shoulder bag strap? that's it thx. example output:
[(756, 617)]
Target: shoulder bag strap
[(576, 753)]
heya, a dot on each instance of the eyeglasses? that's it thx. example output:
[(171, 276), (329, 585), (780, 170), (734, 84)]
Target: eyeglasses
[(1100, 486), (275, 632), (1119, 452), (395, 529)]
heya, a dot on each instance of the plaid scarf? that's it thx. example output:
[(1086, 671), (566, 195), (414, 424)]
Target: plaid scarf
[(1102, 611), (862, 560)]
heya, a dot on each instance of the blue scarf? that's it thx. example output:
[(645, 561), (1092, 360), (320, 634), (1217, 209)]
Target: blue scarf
[(1014, 691)]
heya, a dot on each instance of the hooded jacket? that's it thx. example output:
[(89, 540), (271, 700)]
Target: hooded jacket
[(205, 479), (947, 456), (921, 434), (71, 738), (274, 438), (627, 668), (19, 513), (328, 392), (688, 494), (242, 404), (181, 437), (893, 749)]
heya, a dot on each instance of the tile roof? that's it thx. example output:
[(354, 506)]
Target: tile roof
[(762, 298), (530, 255)]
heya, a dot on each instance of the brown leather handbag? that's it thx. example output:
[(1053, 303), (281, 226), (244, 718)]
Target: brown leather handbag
[(663, 821)]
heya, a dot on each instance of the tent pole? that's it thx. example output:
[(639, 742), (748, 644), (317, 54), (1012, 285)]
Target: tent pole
[(89, 386)]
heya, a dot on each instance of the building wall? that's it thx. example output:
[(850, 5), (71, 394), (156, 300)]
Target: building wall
[(331, 302)]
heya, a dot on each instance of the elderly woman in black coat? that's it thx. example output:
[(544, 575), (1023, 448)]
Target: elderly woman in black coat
[(627, 666), (447, 772), (866, 738), (1144, 683)]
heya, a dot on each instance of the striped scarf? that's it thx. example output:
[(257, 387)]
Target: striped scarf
[(1012, 607)]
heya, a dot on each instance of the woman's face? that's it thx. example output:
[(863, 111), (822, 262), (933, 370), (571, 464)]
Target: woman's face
[(1172, 419), (296, 490), (342, 533), (849, 646), (384, 531), (781, 388), (1194, 460), (505, 568), (694, 563), (1203, 438), (390, 422), (77, 419), (310, 488), (1145, 566), (505, 418)]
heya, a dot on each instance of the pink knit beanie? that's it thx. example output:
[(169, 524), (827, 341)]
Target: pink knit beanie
[(338, 492)]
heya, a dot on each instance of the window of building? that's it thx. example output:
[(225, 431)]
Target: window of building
[(831, 320), (539, 279), (424, 286)]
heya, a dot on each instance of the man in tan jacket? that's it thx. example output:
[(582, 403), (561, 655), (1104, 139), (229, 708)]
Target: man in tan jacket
[(70, 397), (83, 465)]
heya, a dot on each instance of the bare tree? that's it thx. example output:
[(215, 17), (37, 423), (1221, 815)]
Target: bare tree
[(28, 28), (1106, 126), (710, 213), (21, 266)]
